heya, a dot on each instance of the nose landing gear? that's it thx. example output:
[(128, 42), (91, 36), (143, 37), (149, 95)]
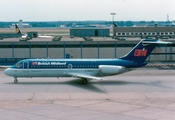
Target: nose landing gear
[(15, 80)]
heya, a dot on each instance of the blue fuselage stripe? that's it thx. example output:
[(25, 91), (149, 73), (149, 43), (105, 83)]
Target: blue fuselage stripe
[(73, 63)]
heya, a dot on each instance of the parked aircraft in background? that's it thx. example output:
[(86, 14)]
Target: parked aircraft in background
[(12, 35), (19, 34), (36, 36), (86, 69), (31, 35)]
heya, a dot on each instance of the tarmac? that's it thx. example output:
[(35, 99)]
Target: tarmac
[(143, 94)]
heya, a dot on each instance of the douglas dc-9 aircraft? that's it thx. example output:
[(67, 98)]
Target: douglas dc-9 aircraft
[(85, 69)]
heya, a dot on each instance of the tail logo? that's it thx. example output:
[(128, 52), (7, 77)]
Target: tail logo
[(17, 30), (34, 63), (140, 52)]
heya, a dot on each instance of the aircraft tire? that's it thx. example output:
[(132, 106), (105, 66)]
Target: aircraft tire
[(84, 81), (15, 81)]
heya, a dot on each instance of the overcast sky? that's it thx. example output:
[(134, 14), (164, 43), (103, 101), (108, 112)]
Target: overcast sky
[(80, 10)]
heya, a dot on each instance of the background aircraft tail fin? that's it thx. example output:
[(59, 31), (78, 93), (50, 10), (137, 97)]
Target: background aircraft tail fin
[(142, 50), (17, 29)]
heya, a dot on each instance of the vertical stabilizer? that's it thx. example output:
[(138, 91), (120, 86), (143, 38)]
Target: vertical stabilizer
[(17, 29), (142, 50)]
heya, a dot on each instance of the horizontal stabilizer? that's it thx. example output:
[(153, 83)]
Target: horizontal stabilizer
[(147, 42)]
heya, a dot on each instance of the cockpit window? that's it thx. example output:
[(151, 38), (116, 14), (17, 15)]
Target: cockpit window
[(18, 65)]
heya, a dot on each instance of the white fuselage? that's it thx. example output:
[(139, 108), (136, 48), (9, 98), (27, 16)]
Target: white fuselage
[(49, 72), (67, 68)]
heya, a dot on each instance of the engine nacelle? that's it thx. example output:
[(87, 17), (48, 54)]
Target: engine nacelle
[(111, 70)]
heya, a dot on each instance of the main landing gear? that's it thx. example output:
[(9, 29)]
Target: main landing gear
[(15, 80), (84, 81)]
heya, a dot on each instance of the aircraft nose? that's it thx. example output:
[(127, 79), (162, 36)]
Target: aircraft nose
[(7, 72)]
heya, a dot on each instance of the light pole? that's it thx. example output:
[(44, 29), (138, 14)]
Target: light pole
[(113, 22), (113, 17)]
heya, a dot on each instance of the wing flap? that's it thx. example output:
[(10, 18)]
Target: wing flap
[(78, 75)]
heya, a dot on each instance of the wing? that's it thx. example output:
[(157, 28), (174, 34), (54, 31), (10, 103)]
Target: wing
[(78, 75)]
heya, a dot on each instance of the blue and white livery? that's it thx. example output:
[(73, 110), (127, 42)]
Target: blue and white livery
[(85, 69)]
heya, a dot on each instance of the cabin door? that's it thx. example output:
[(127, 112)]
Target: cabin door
[(25, 65), (25, 68)]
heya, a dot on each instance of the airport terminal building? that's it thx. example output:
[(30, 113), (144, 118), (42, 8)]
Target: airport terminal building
[(145, 32), (100, 45), (14, 51)]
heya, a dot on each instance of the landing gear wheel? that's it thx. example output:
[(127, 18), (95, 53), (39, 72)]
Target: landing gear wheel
[(84, 81), (15, 81)]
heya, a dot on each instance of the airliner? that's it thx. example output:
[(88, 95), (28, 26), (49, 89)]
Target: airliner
[(85, 69), (12, 35)]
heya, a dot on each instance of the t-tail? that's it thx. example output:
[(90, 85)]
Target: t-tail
[(142, 50), (17, 29)]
